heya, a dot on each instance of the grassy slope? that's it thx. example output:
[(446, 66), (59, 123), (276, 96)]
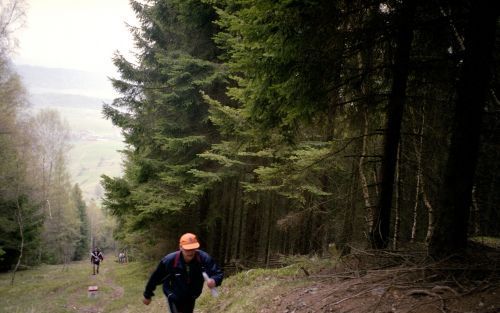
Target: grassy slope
[(248, 291), (45, 289), (51, 289), (78, 96), (89, 158)]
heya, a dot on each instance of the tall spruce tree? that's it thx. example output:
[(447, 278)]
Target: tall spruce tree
[(163, 116)]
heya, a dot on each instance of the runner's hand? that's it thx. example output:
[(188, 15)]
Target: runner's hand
[(211, 283), (146, 301)]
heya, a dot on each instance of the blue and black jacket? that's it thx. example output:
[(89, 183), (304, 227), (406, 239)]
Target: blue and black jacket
[(183, 281)]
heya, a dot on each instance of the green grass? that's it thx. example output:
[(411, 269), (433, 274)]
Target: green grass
[(250, 290), (44, 289), (49, 289), (90, 159), (88, 119), (94, 148)]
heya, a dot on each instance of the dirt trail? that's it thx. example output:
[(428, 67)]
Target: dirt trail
[(82, 302)]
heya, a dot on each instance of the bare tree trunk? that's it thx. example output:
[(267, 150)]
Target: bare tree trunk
[(450, 235), (203, 207), (397, 210), (50, 209), (375, 179), (430, 215), (242, 207), (269, 230), (362, 177), (476, 213), (379, 236), (46, 183), (415, 208), (418, 154), (19, 218), (226, 202), (234, 199), (323, 224), (349, 213)]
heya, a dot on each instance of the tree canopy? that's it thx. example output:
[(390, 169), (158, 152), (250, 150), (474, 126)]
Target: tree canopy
[(280, 127)]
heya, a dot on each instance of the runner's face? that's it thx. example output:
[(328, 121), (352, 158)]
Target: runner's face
[(188, 254)]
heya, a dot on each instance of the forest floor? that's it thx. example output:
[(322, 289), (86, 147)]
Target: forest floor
[(365, 281), (371, 281), (368, 282)]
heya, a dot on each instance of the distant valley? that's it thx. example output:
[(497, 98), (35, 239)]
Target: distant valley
[(78, 96)]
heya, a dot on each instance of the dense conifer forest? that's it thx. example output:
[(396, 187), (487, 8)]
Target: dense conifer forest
[(272, 128), (282, 127)]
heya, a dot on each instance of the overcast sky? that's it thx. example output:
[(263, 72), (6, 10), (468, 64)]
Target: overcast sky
[(75, 34)]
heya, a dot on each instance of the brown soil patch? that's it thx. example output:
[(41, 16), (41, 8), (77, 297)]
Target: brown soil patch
[(102, 279), (397, 282), (118, 291)]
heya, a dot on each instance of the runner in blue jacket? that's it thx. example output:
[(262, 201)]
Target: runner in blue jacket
[(180, 273)]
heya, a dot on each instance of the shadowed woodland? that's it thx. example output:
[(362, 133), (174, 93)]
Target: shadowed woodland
[(284, 127), (275, 128)]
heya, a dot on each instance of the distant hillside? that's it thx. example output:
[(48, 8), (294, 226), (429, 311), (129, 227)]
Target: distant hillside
[(79, 96), (55, 80), (66, 100)]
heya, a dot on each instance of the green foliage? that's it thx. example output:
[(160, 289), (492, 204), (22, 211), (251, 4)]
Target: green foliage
[(10, 236), (164, 116), (57, 289), (19, 208), (242, 291), (82, 246), (257, 123), (41, 218), (61, 225), (282, 57)]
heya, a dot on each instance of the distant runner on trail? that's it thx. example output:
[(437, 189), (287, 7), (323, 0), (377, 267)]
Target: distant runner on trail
[(95, 258), (121, 257), (181, 273)]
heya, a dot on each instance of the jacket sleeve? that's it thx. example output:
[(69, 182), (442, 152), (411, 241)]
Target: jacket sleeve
[(213, 270), (156, 278)]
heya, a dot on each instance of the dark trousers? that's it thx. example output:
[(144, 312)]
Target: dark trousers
[(181, 307), (95, 265)]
